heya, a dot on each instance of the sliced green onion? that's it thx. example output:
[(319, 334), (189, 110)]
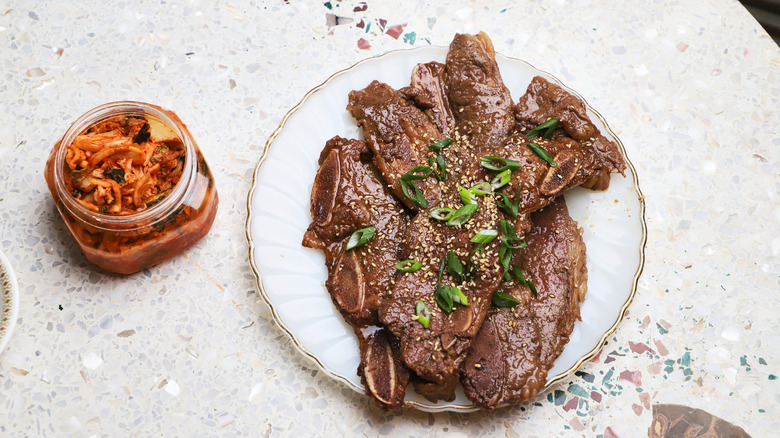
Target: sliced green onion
[(509, 241), (360, 237), (423, 315), (501, 179), (504, 203), (441, 270), (511, 208), (507, 229), (439, 167), (414, 193), (466, 196), (441, 144), (549, 126), (458, 296), (410, 265), (463, 215), (522, 280), (442, 213), (410, 189), (481, 189), (418, 172), (504, 255), (484, 236), (472, 265), (521, 245), (538, 150), (500, 164), (444, 298), (502, 299), (455, 267)]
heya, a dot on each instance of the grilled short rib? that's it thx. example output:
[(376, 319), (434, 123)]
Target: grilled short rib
[(398, 133), (516, 346), (483, 116), (544, 100), (348, 195)]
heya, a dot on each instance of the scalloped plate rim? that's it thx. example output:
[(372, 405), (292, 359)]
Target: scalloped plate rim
[(9, 288)]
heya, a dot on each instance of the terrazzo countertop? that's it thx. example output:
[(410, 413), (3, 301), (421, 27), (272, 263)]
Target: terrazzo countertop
[(187, 348)]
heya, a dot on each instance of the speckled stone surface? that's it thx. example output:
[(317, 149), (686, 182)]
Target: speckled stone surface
[(188, 349)]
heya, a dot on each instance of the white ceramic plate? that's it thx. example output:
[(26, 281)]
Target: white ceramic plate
[(9, 301), (291, 278)]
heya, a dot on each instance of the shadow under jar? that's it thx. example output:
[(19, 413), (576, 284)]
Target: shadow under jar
[(133, 201)]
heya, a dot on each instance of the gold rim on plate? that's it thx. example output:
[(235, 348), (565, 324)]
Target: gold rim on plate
[(413, 404), (9, 301)]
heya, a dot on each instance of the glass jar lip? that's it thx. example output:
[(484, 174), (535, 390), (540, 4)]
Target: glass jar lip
[(110, 109)]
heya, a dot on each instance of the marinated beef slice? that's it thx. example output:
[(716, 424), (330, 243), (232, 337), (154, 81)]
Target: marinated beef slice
[(428, 93), (435, 392), (435, 353), (348, 195), (479, 100), (398, 133), (516, 346), (544, 100)]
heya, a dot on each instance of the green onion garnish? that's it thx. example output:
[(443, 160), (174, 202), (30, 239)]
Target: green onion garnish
[(463, 215), (423, 315), (418, 172), (502, 299), (458, 296), (484, 236), (441, 271), (444, 298), (549, 126), (511, 208), (412, 192), (472, 264), (360, 237), (441, 144), (442, 213), (455, 267), (507, 229), (410, 189), (500, 164), (410, 265), (446, 295), (439, 167), (522, 280), (481, 189), (538, 150), (504, 255), (509, 241), (466, 196), (501, 179)]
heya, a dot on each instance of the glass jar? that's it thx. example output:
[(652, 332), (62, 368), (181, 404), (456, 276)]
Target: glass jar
[(127, 243)]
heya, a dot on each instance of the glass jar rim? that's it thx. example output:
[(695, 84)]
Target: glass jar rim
[(100, 113)]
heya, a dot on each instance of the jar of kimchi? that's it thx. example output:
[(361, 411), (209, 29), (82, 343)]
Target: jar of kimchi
[(131, 185)]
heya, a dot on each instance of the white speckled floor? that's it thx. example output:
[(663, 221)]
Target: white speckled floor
[(187, 349)]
